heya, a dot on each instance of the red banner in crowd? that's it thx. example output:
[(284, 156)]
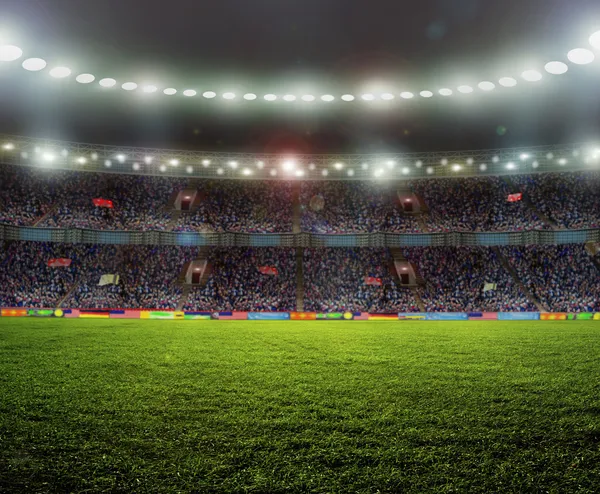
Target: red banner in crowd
[(515, 197), (103, 203), (59, 263), (270, 270), (369, 280)]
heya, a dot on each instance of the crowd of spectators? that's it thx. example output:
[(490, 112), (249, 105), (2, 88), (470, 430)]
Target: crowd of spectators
[(562, 277), (236, 283), (570, 199), (455, 279), (240, 206), (334, 281), (477, 204), (352, 207)]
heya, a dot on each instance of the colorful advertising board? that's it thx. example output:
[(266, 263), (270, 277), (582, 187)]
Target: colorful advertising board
[(447, 316), (268, 316), (518, 316)]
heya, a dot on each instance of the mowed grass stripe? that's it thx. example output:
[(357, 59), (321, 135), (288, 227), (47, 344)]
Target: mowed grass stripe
[(167, 406)]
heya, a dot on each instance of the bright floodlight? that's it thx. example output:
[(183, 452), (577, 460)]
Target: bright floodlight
[(350, 173), (365, 166), (209, 94), (205, 163), (581, 56), (260, 165), (426, 94), (531, 76), (308, 98), (486, 86), (108, 82), (510, 166), (250, 96), (289, 97), (299, 173), (327, 97), (325, 173), (85, 78), (189, 93), (174, 162), (469, 161), (247, 171), (129, 86), (48, 157), (273, 173), (495, 159), (483, 167), (10, 53), (107, 163), (556, 68), (419, 164), (233, 164), (535, 164), (378, 173), (81, 160), (338, 166), (190, 169), (60, 72), (465, 89), (444, 161), (150, 89), (228, 95), (270, 97), (387, 96), (368, 97), (220, 171), (34, 64), (136, 167), (162, 168), (595, 40), (121, 158), (9, 146), (289, 165), (429, 170), (562, 162), (94, 156), (445, 92), (405, 170), (148, 160), (524, 156), (508, 82), (348, 97), (456, 168), (170, 91), (407, 95)]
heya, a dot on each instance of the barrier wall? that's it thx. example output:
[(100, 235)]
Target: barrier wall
[(296, 316)]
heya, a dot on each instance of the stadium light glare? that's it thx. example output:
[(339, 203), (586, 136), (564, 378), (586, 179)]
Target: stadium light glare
[(289, 165), (94, 156), (9, 146), (85, 78), (270, 97), (495, 159), (510, 166), (535, 164), (174, 162), (368, 97), (148, 160), (419, 164), (260, 165), (205, 163), (325, 172), (387, 96), (562, 162), (34, 64), (550, 156), (405, 170), (348, 97), (350, 173), (378, 173), (531, 76), (107, 163), (430, 170), (465, 89), (486, 86), (556, 68), (444, 162), (469, 161), (247, 171), (149, 89), (129, 86), (10, 53), (81, 160), (338, 166), (229, 96), (233, 164), (365, 166), (209, 94), (65, 153), (445, 92), (299, 173), (49, 157), (107, 82), (456, 168), (407, 95), (507, 82), (162, 168), (273, 173), (390, 164), (121, 158), (24, 155), (220, 171), (581, 56), (60, 72), (426, 94), (312, 167), (595, 40), (483, 167), (190, 93), (170, 91), (327, 98), (249, 96), (308, 98), (189, 169), (524, 157), (289, 98), (136, 167)]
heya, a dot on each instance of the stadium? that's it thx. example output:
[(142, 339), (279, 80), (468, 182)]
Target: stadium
[(268, 285)]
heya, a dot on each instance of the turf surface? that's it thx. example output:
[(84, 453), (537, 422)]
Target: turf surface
[(166, 406)]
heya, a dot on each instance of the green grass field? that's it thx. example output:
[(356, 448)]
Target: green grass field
[(166, 406)]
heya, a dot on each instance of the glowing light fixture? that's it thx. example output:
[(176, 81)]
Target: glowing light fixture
[(327, 98), (531, 76), (510, 166), (486, 86), (49, 157), (229, 96), (60, 72), (368, 97), (483, 167), (581, 56), (10, 53), (299, 173), (9, 146), (387, 96), (365, 166), (524, 157), (407, 95), (445, 92), (107, 163), (535, 164), (81, 160), (85, 78), (220, 171), (247, 171), (170, 91), (325, 173), (308, 98), (136, 167), (405, 170), (508, 82), (312, 167), (350, 173), (233, 164), (430, 170), (121, 158), (556, 68), (273, 173), (426, 94), (34, 64), (289, 97), (189, 93), (162, 168), (495, 159), (419, 164), (595, 40), (148, 160), (465, 89), (469, 161), (348, 97), (149, 89), (107, 82), (270, 97), (174, 162), (129, 86), (94, 156), (289, 165), (444, 162), (205, 163), (250, 96), (260, 165), (338, 166), (562, 162), (456, 168)]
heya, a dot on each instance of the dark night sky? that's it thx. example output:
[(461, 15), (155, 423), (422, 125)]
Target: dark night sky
[(289, 45)]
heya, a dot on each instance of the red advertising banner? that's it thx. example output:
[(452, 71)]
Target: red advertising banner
[(369, 280), (59, 263), (103, 203), (269, 270), (515, 197), (303, 316)]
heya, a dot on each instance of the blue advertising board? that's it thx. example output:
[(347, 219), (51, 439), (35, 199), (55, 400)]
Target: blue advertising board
[(268, 316)]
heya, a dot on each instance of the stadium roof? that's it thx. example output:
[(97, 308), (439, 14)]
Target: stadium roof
[(298, 49)]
